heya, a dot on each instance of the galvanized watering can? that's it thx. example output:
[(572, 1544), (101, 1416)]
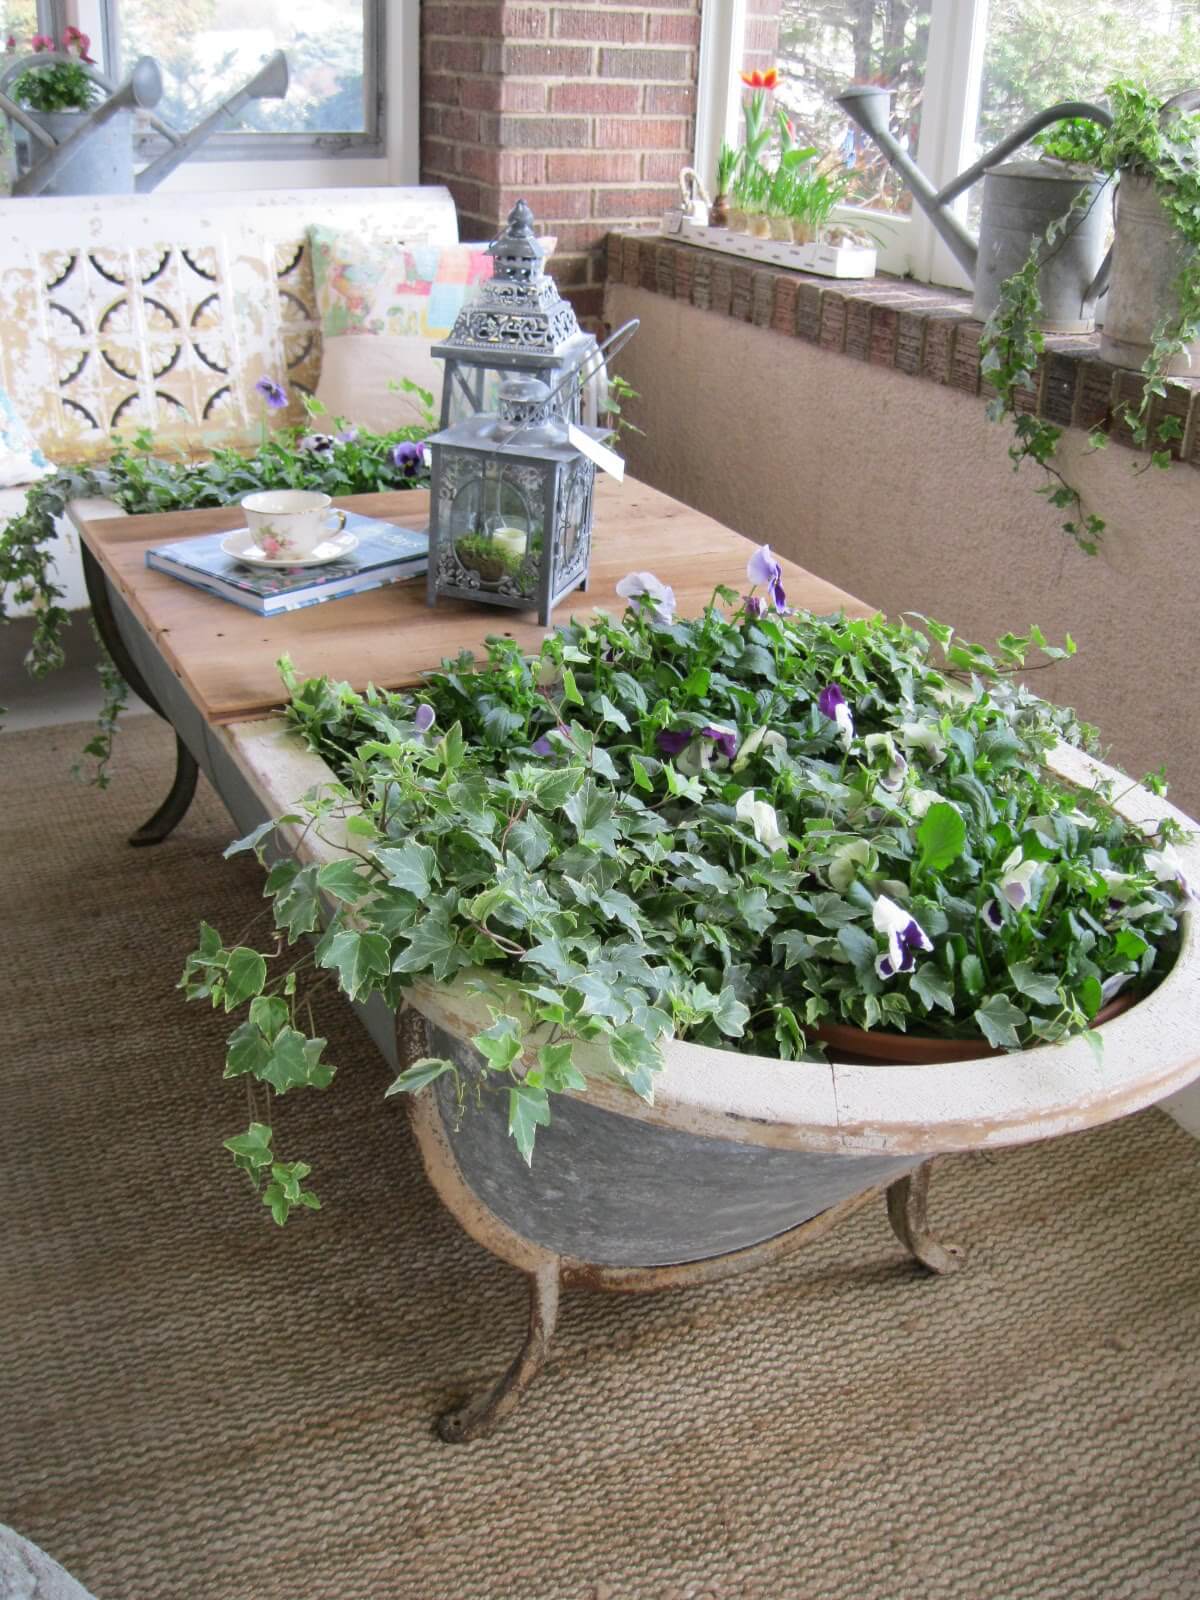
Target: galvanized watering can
[(92, 152), (1020, 200)]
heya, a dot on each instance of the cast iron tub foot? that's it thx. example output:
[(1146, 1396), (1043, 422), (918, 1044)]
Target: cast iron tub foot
[(477, 1417), (908, 1213), (174, 808)]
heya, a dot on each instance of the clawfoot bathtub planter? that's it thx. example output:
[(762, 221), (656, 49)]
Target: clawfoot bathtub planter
[(740, 1159)]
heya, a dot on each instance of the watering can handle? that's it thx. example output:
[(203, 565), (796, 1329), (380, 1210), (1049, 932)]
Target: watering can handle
[(1186, 100)]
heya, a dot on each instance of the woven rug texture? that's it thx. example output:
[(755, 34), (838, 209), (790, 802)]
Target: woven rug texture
[(196, 1405)]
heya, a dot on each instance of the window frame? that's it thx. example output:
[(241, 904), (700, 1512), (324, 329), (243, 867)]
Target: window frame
[(908, 246), (54, 16)]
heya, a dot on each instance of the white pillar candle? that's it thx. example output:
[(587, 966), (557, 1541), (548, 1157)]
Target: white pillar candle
[(512, 541)]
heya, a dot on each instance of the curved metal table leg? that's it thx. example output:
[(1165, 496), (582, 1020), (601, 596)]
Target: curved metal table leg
[(477, 1417), (908, 1213), (174, 808)]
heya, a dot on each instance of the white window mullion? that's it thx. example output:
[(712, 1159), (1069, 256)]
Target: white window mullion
[(949, 117), (718, 93)]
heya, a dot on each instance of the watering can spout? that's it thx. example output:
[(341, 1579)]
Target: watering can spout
[(869, 107), (270, 82)]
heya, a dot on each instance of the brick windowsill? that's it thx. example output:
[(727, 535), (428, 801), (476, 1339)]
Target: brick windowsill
[(914, 328)]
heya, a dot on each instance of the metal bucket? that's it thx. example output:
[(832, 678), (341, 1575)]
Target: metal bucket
[(103, 164), (1147, 258), (1020, 200)]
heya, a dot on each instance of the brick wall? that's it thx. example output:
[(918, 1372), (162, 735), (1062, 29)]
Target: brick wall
[(585, 109), (761, 38)]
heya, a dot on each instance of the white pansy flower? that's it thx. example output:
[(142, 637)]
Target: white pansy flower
[(762, 818), (921, 736), (662, 596), (763, 737), (1016, 881)]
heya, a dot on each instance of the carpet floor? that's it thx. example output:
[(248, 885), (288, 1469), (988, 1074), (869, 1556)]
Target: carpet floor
[(196, 1405)]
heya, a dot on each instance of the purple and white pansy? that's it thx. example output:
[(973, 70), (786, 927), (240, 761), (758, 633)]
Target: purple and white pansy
[(762, 568), (662, 597), (1167, 867), (698, 748), (424, 718), (1016, 879), (905, 937), (831, 703)]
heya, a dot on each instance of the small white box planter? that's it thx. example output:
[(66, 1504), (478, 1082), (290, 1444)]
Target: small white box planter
[(827, 260)]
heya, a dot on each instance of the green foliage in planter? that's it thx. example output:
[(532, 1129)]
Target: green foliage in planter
[(141, 479), (722, 830), (1012, 343)]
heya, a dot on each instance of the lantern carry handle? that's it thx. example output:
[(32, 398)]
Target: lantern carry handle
[(613, 345)]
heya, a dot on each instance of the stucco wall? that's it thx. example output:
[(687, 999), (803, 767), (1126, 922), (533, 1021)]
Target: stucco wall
[(901, 491)]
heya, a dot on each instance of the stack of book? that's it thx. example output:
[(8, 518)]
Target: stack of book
[(385, 554)]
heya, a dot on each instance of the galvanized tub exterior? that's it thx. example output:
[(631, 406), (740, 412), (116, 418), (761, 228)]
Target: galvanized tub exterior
[(1148, 257)]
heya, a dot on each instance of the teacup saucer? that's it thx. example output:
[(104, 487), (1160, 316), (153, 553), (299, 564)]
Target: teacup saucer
[(242, 546)]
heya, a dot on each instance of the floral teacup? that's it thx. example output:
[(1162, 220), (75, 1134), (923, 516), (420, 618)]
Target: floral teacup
[(291, 522)]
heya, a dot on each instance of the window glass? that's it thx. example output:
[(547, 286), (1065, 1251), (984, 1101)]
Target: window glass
[(19, 20), (824, 47), (208, 48), (1042, 51)]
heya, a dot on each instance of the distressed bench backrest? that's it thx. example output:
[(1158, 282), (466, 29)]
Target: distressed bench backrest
[(162, 311)]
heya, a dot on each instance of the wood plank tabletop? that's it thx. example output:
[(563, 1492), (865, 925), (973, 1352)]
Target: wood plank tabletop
[(226, 656)]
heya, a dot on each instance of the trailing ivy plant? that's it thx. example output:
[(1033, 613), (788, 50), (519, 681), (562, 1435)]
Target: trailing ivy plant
[(725, 829), (1139, 144), (141, 478)]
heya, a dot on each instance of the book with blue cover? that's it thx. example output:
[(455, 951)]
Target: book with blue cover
[(385, 554)]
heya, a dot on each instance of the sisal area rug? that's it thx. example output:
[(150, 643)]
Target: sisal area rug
[(195, 1405)]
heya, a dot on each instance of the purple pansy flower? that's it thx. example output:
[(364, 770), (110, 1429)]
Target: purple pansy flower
[(905, 936), (348, 436), (753, 606), (671, 741), (725, 739), (407, 458), (831, 703), (273, 393), (542, 747), (763, 568), (424, 718)]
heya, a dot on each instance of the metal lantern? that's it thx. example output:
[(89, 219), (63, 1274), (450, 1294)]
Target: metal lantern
[(511, 505), (518, 324)]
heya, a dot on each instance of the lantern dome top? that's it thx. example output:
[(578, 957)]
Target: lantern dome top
[(517, 253)]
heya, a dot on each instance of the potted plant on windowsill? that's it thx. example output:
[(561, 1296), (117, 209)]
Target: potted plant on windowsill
[(715, 835)]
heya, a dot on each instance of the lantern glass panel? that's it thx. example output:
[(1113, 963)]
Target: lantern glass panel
[(574, 523), (496, 525)]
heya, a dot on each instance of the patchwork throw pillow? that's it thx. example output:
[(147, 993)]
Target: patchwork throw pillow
[(381, 306), (21, 461)]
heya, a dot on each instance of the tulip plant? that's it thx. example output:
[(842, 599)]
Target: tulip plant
[(725, 829)]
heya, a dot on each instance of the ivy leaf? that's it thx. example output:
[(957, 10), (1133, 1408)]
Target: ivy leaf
[(412, 866), (731, 1014), (932, 987), (941, 836), (297, 908), (552, 956), (427, 1070), (357, 958), (268, 1013), (554, 789), (558, 1069), (288, 1065), (500, 1045), (343, 880), (999, 1020), (251, 1149), (248, 1051), (636, 1057), (245, 976), (432, 948), (531, 839), (252, 840), (528, 1110), (1039, 986)]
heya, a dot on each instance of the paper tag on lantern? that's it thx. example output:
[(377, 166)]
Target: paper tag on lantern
[(607, 460)]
